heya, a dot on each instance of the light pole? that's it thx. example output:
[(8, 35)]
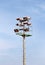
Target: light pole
[(24, 27)]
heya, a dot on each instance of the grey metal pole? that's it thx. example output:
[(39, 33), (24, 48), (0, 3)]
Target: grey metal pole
[(24, 52), (23, 22)]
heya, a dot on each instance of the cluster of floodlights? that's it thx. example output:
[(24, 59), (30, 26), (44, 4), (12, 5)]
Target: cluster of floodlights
[(23, 22)]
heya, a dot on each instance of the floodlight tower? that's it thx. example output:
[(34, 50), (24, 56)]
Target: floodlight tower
[(24, 27)]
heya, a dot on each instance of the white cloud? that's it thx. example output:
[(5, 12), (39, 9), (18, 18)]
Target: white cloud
[(6, 44), (35, 10), (41, 6)]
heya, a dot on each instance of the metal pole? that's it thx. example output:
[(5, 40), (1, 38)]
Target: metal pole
[(24, 52), (23, 21)]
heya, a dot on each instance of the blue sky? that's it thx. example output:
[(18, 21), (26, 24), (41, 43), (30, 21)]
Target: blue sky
[(10, 43)]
